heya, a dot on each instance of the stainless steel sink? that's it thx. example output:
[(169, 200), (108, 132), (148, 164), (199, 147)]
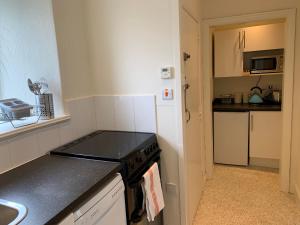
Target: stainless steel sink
[(11, 213)]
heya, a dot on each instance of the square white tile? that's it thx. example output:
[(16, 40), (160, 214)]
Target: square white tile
[(145, 114), (105, 112), (124, 113), (5, 159), (48, 139), (83, 116), (23, 149)]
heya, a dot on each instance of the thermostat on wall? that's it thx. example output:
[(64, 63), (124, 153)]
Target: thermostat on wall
[(167, 72)]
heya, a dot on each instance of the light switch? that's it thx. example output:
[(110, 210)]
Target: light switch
[(168, 94)]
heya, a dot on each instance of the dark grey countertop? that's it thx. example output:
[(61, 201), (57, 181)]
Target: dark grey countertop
[(245, 107), (51, 187)]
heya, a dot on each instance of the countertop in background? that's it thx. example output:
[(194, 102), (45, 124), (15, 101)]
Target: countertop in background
[(245, 107)]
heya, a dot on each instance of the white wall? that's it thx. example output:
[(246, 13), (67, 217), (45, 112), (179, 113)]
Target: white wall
[(129, 41), (236, 7), (232, 85), (28, 49), (72, 46)]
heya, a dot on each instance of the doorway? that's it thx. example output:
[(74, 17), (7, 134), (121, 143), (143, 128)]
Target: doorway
[(288, 16)]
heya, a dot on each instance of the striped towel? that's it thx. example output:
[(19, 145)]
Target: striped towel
[(153, 196)]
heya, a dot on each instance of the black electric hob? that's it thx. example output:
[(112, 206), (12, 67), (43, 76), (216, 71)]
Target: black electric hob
[(133, 149)]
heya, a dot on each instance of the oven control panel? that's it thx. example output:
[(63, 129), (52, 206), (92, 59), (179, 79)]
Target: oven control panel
[(137, 160)]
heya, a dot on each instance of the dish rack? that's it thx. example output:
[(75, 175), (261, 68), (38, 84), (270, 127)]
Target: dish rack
[(19, 113)]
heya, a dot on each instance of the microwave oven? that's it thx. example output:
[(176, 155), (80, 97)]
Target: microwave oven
[(266, 64)]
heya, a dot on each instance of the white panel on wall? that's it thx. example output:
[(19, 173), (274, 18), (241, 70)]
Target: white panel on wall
[(5, 160), (145, 114), (127, 113), (83, 116), (23, 149), (124, 113), (105, 112), (83, 119), (48, 139)]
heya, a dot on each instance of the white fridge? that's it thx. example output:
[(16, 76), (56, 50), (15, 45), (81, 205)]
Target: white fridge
[(231, 138)]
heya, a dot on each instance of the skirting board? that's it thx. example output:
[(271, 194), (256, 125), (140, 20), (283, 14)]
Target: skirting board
[(297, 192), (269, 163)]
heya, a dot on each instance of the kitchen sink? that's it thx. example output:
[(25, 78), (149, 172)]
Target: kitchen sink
[(11, 213)]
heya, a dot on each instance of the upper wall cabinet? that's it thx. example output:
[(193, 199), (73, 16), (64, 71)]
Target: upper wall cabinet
[(230, 44), (228, 53), (263, 37)]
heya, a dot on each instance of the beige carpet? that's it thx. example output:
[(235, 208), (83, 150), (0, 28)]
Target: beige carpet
[(240, 196)]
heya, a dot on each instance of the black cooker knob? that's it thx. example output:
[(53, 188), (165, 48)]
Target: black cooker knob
[(147, 151), (139, 159), (131, 165)]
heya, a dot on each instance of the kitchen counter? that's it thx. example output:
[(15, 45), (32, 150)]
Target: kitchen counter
[(245, 107), (52, 187)]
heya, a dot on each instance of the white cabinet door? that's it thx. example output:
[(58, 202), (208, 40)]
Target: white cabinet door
[(264, 37), (231, 131), (265, 135), (228, 53)]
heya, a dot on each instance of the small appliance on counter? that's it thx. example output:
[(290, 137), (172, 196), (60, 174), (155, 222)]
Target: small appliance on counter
[(224, 99), (272, 96), (256, 96)]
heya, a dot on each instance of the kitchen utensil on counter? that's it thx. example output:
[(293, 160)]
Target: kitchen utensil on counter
[(37, 87), (256, 95), (45, 104), (15, 109), (245, 97), (277, 96), (238, 98), (44, 85), (31, 86)]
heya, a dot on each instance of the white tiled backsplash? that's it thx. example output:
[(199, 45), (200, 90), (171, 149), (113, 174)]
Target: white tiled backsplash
[(132, 113)]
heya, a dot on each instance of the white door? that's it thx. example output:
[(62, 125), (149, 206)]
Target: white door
[(231, 131), (228, 53), (265, 135), (194, 157)]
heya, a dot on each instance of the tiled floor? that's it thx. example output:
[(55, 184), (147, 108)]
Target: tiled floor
[(240, 196)]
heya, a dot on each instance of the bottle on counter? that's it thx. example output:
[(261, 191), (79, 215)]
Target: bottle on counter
[(238, 98), (245, 98)]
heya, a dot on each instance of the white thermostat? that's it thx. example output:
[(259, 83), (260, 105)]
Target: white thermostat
[(167, 72)]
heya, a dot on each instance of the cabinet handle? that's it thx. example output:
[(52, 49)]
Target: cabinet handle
[(252, 122), (244, 39)]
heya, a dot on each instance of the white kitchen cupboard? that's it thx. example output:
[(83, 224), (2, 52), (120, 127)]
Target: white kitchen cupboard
[(265, 135), (231, 131), (263, 37), (228, 53), (230, 44)]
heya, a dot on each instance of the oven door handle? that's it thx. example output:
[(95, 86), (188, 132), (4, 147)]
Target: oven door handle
[(136, 183), (138, 179)]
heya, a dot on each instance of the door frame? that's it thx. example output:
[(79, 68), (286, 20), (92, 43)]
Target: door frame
[(289, 15)]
